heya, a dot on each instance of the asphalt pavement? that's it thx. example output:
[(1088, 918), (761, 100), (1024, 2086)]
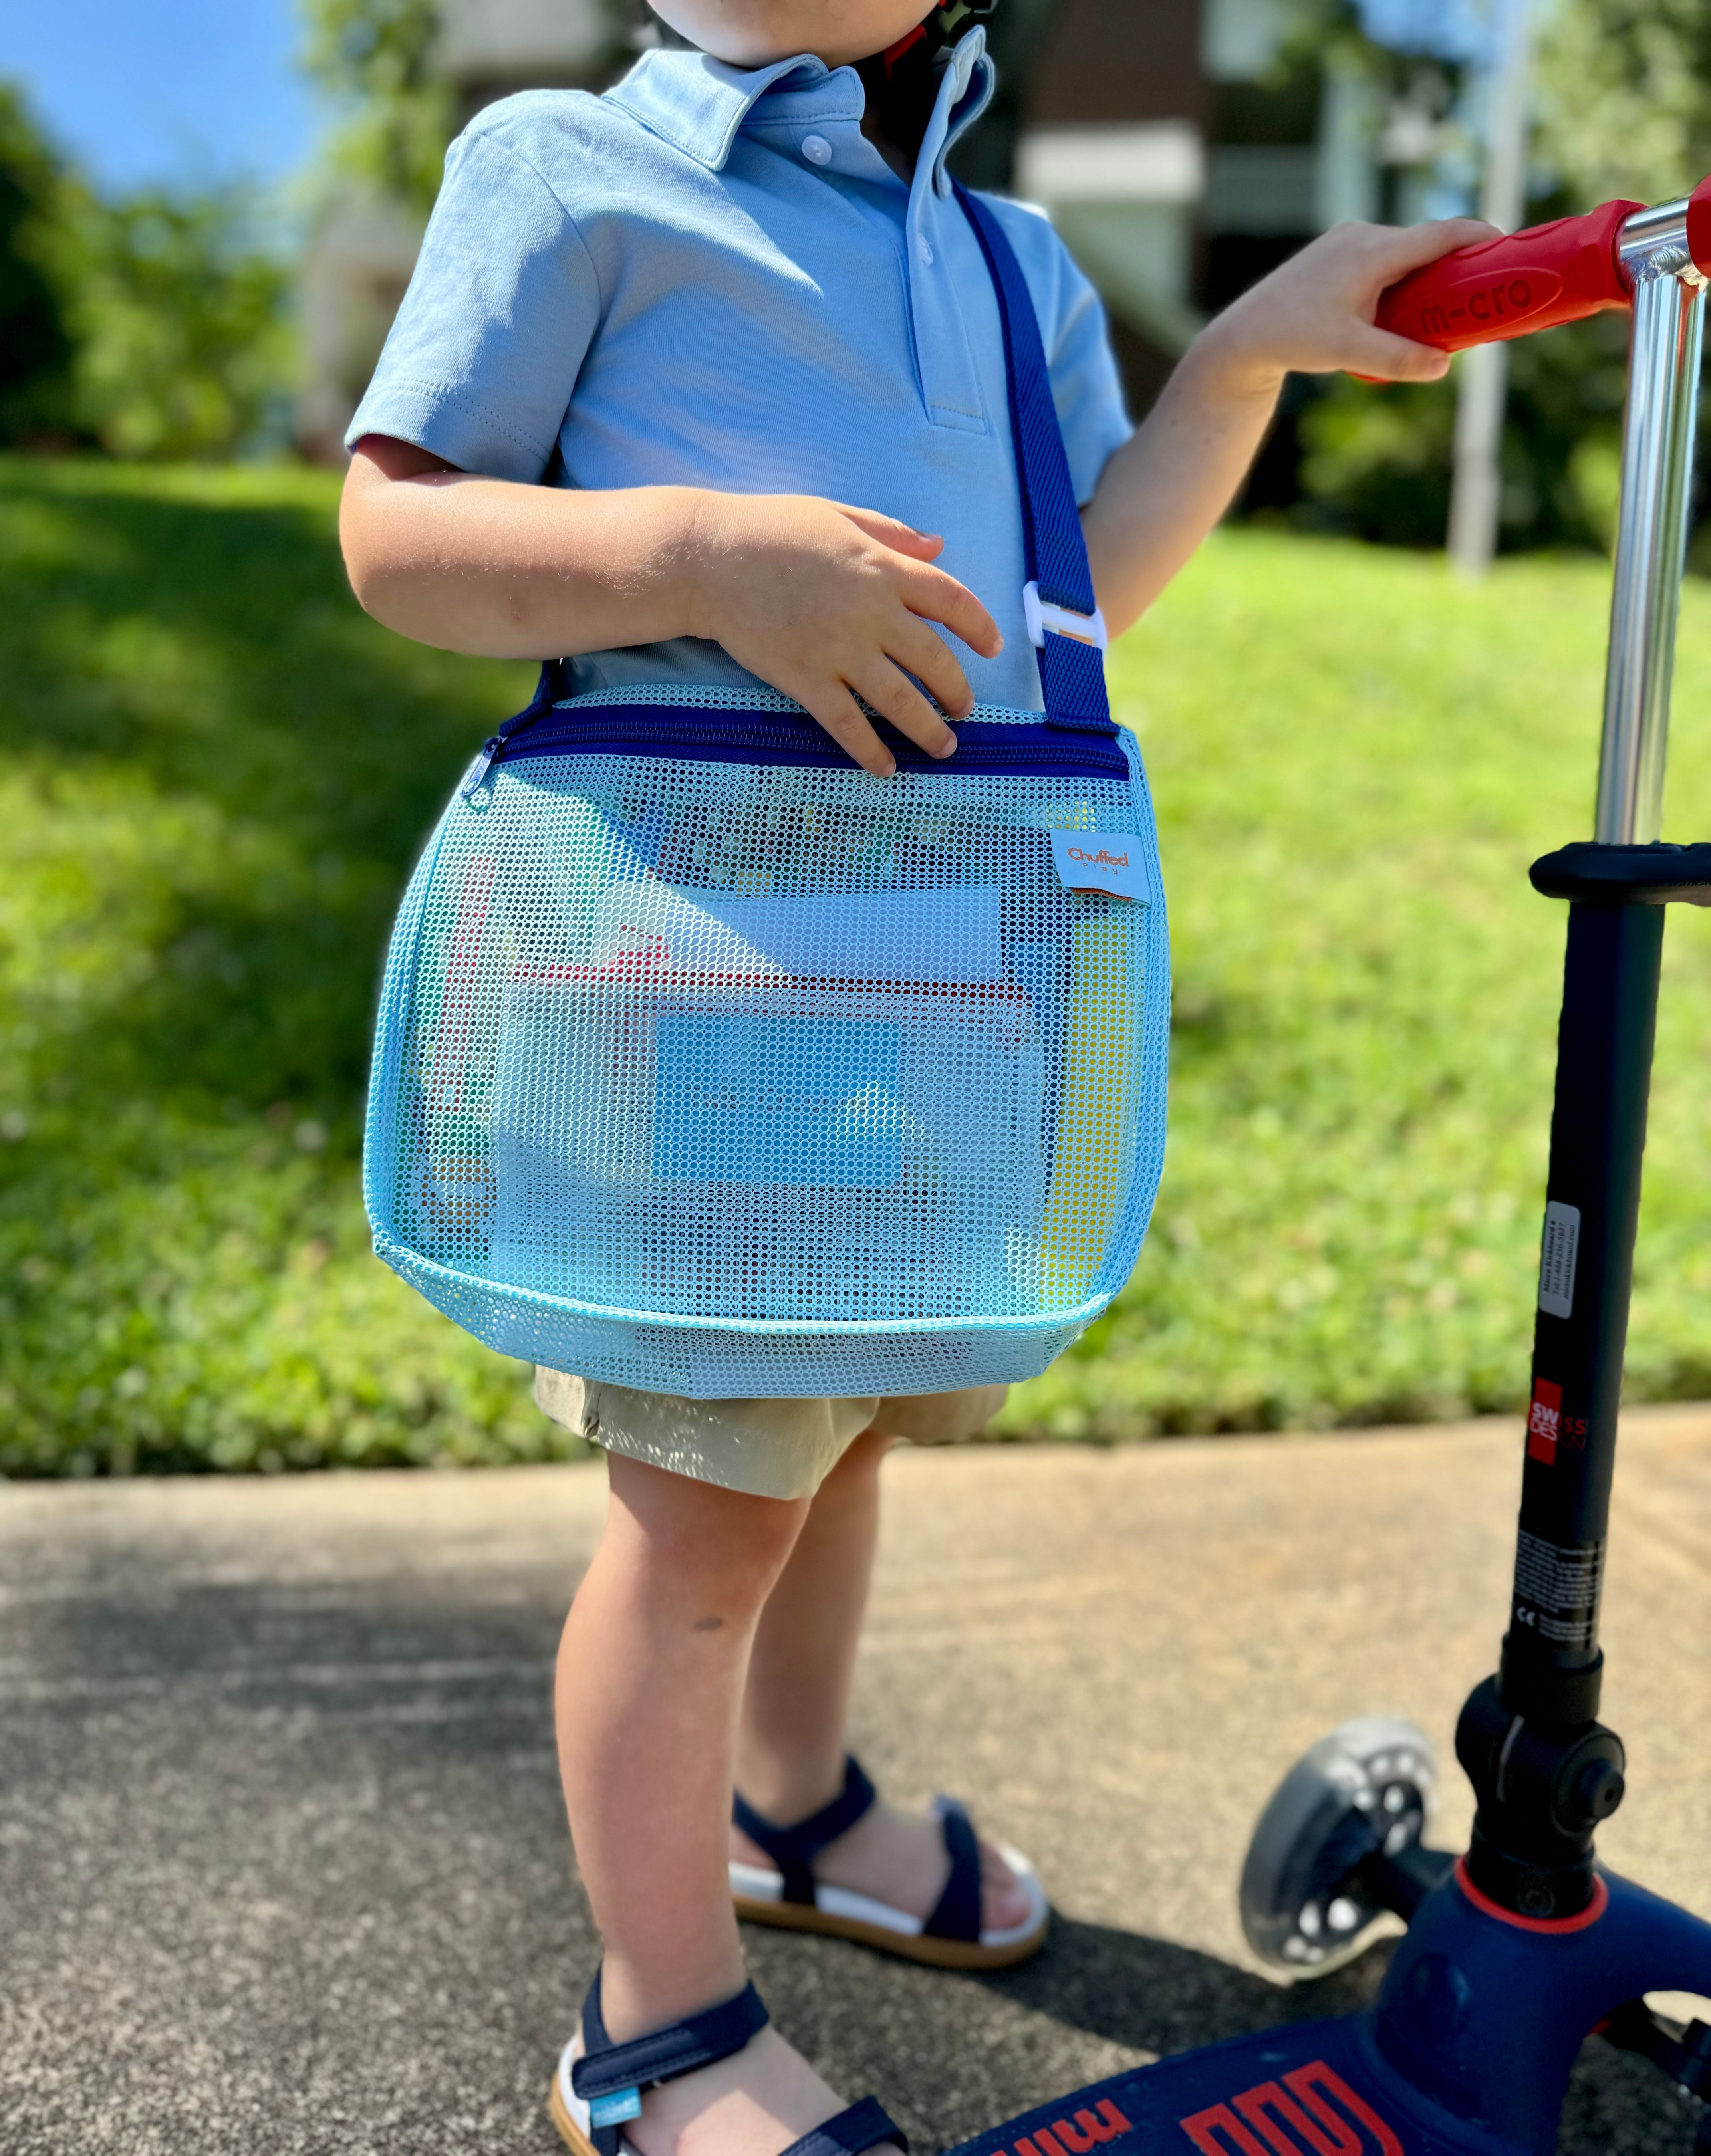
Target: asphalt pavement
[(282, 1863)]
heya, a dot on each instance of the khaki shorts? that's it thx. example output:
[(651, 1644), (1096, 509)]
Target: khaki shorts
[(769, 1448)]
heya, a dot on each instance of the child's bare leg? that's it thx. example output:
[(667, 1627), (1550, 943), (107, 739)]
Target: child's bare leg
[(791, 1738), (650, 1673)]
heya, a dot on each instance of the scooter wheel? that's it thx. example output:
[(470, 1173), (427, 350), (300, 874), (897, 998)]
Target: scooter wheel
[(1371, 1785)]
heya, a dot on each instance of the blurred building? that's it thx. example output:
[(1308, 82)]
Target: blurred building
[(350, 281), (1184, 147)]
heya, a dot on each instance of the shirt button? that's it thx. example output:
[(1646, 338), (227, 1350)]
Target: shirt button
[(924, 247), (816, 149)]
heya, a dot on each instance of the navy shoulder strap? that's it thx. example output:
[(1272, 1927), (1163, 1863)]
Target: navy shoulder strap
[(1063, 617)]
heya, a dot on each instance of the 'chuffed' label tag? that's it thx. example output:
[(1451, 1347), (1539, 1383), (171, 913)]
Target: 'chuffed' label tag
[(1108, 863)]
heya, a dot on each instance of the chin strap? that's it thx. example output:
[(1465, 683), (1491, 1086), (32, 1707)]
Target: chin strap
[(943, 27), (902, 82)]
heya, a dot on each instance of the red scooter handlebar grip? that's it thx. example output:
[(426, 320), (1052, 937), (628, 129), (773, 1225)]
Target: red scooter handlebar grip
[(1509, 288)]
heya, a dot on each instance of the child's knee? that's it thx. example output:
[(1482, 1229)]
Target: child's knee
[(702, 1538)]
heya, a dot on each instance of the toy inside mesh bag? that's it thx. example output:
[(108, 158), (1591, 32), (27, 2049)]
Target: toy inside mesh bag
[(760, 1106)]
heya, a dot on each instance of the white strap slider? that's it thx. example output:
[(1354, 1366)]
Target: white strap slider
[(1040, 615)]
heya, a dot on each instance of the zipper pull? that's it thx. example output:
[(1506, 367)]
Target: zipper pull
[(479, 768)]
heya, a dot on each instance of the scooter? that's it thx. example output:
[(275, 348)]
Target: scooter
[(1518, 1949)]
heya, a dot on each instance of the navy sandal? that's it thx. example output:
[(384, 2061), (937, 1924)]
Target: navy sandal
[(951, 1938), (598, 2086)]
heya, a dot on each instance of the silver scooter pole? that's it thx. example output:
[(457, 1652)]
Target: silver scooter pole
[(1652, 529)]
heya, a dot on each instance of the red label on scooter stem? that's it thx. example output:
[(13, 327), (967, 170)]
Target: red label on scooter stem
[(1509, 288), (1544, 1421)]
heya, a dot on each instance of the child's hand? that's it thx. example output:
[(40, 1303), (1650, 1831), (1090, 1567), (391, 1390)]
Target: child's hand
[(822, 600), (1314, 314)]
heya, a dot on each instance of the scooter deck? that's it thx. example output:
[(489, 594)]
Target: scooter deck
[(1312, 2088)]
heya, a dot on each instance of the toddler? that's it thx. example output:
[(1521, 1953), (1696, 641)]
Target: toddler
[(703, 381)]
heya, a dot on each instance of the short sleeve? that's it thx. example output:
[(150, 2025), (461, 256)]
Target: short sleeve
[(482, 361)]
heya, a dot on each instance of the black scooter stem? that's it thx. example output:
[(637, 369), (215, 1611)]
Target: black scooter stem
[(1592, 1209)]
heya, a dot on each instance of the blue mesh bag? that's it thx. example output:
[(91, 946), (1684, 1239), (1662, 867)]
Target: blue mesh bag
[(712, 1064)]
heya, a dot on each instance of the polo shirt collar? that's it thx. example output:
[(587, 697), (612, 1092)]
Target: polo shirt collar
[(700, 104)]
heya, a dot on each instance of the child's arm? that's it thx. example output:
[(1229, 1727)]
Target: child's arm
[(815, 598), (821, 599), (1165, 489)]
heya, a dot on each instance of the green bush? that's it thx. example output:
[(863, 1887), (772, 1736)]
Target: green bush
[(215, 772), (1376, 461)]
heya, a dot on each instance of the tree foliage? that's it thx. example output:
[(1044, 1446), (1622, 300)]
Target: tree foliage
[(149, 326), (1625, 97), (1623, 108), (178, 318), (35, 342), (377, 57)]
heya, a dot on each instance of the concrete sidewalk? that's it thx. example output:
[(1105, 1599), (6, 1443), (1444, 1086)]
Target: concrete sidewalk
[(282, 1866)]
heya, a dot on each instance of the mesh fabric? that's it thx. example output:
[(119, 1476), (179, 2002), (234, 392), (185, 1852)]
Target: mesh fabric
[(738, 1079)]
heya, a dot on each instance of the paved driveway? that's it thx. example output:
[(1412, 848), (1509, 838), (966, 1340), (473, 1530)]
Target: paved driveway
[(282, 1868)]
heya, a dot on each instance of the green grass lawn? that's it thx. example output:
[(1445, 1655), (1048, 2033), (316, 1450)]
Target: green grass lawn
[(215, 774)]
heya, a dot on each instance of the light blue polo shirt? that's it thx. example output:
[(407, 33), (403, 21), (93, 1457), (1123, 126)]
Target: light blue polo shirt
[(709, 277)]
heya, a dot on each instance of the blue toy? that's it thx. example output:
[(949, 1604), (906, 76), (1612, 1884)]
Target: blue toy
[(1518, 1950)]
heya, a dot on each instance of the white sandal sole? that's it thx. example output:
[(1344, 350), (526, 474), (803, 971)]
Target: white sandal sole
[(758, 1891)]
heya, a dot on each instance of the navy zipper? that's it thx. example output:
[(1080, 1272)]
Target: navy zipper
[(1054, 748)]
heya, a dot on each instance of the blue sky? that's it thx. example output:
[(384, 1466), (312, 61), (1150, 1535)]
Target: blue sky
[(198, 91), (1458, 27)]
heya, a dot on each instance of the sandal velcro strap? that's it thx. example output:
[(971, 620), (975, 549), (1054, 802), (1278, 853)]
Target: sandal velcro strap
[(607, 2074), (794, 1849), (957, 1913), (862, 2127)]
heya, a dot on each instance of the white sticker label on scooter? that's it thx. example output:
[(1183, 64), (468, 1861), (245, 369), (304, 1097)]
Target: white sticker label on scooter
[(1110, 864), (1556, 1268)]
